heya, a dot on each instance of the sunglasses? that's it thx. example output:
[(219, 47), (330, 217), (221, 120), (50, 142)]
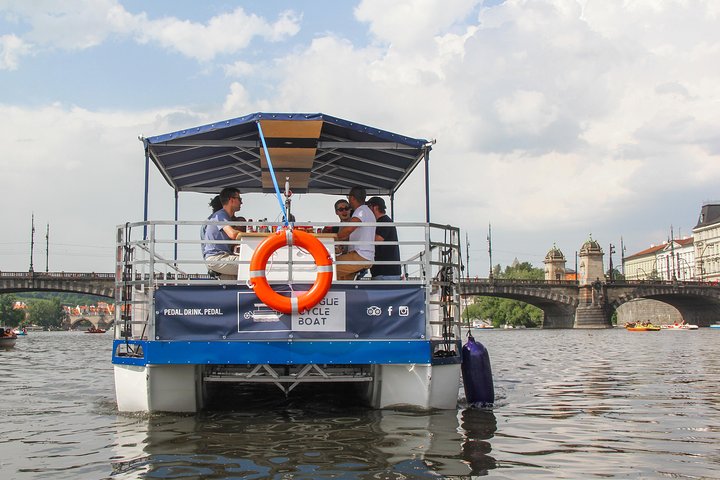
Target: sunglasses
[(342, 209), (240, 199)]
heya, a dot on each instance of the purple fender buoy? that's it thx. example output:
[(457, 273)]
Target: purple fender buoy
[(477, 374)]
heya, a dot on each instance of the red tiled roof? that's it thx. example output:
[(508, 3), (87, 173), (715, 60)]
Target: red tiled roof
[(680, 241)]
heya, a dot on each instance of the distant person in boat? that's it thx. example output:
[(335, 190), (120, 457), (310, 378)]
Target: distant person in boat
[(219, 255), (384, 253), (362, 250)]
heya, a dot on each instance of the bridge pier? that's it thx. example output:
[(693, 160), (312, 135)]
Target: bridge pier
[(557, 316), (592, 310)]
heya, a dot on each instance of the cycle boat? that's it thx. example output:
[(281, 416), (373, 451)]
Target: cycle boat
[(181, 333)]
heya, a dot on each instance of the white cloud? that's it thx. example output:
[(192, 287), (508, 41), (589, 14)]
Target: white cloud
[(83, 24), (223, 34), (409, 23), (11, 49), (526, 113), (239, 69)]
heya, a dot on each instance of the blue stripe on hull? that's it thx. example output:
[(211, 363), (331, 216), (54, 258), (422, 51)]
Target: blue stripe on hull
[(277, 352)]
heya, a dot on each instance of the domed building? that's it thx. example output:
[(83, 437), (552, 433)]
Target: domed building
[(554, 264), (591, 262)]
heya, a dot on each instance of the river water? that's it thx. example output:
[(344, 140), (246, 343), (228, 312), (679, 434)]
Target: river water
[(570, 404)]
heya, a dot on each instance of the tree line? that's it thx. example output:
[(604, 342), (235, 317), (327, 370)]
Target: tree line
[(43, 308), (503, 311)]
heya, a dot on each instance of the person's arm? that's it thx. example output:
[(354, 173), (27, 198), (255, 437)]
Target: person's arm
[(232, 232), (344, 232)]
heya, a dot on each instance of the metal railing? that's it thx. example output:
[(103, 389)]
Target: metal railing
[(429, 256)]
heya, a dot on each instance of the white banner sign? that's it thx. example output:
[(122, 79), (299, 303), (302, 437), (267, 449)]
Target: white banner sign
[(326, 316)]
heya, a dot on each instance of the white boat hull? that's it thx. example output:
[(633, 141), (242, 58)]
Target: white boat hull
[(178, 388)]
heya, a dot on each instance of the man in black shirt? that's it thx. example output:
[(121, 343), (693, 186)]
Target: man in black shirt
[(384, 253)]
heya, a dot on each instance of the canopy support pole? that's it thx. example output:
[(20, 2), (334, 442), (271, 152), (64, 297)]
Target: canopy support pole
[(147, 183), (427, 185), (176, 228)]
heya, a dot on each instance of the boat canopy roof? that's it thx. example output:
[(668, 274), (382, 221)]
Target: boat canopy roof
[(317, 152)]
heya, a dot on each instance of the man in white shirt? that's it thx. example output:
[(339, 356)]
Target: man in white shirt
[(362, 251)]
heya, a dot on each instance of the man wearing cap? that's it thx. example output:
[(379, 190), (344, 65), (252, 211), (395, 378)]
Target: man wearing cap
[(362, 251), (384, 253)]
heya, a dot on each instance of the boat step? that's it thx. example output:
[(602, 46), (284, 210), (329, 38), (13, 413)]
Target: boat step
[(286, 381)]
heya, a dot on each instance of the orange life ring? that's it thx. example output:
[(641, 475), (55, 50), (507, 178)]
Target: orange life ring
[(270, 297)]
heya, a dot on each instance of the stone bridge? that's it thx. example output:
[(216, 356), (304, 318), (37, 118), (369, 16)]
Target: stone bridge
[(566, 304), (100, 284), (98, 321)]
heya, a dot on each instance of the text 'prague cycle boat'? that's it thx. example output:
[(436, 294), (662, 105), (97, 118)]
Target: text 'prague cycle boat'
[(180, 332)]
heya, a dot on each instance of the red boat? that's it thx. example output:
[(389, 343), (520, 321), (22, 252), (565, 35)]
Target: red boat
[(95, 330)]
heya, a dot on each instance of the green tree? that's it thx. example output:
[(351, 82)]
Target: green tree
[(47, 313), (8, 316), (502, 311)]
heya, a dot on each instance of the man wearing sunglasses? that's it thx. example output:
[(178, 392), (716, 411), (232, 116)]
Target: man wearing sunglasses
[(343, 211), (219, 255)]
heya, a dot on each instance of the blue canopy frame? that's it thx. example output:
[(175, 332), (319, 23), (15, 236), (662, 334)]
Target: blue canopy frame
[(318, 152)]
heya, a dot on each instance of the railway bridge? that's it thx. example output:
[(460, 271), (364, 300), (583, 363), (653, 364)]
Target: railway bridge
[(566, 304)]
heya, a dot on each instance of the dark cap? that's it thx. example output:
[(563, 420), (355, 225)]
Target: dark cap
[(377, 201)]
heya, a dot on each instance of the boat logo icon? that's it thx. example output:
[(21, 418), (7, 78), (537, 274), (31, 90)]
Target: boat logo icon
[(374, 311)]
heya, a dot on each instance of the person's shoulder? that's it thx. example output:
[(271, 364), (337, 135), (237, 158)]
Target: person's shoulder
[(364, 211), (220, 215), (385, 218)]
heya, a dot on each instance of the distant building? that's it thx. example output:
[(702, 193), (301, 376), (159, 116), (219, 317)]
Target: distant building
[(707, 243), (673, 260)]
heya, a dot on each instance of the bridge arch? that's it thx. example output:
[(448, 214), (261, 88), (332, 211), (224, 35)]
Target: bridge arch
[(99, 284), (697, 304), (557, 304)]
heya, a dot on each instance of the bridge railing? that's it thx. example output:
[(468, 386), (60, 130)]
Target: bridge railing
[(508, 281), (58, 275), (469, 281)]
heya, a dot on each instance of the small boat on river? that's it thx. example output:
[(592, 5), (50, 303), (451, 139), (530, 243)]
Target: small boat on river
[(95, 330), (679, 326), (641, 327), (7, 338)]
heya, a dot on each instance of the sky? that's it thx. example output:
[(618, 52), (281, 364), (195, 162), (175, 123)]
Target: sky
[(554, 119)]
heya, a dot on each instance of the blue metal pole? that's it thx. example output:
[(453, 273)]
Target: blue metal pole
[(272, 173)]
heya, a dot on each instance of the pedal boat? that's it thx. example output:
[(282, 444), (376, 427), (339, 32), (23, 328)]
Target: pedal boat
[(182, 334)]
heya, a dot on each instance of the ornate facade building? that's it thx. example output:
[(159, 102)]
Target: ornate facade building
[(554, 264), (707, 243), (590, 267)]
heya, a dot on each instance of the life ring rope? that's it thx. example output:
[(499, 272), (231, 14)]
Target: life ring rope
[(258, 264)]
